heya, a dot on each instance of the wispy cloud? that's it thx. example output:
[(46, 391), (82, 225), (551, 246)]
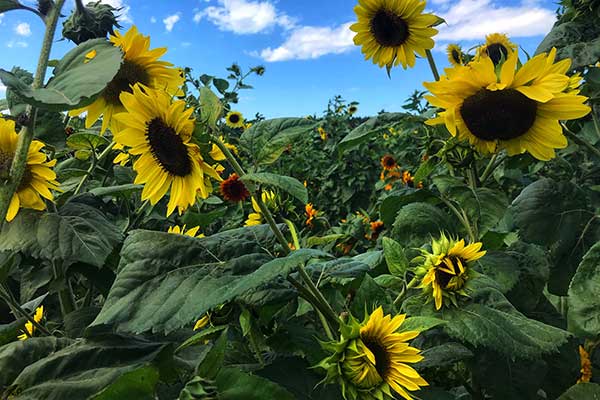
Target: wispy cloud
[(16, 44), (23, 29), (170, 21), (310, 42), (245, 16), (474, 19)]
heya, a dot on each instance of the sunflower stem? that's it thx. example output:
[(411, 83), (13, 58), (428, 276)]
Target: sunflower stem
[(582, 142), (329, 312), (462, 218), (26, 135), (14, 305), (317, 305), (432, 65), (294, 233), (92, 167), (489, 169)]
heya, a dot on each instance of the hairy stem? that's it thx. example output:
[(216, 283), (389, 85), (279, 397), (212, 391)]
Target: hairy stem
[(432, 65)]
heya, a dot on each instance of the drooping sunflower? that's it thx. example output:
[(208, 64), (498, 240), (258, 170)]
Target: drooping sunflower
[(311, 214), (157, 132), (233, 189), (371, 359), (444, 273), (388, 162), (352, 110), (497, 47), (391, 32), (517, 110), (455, 54), (140, 65), (29, 327), (38, 178), (234, 119), (181, 230), (322, 133)]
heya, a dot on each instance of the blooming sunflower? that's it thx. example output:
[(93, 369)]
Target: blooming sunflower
[(158, 131), (371, 359), (233, 189), (322, 133), (29, 327), (181, 230), (515, 110), (38, 178), (388, 162), (497, 47), (586, 366), (140, 65), (455, 54), (311, 214), (256, 217), (234, 119), (445, 272), (376, 228), (352, 110), (390, 32), (217, 154)]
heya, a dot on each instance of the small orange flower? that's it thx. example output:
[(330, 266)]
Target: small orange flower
[(233, 189), (388, 187), (388, 162), (346, 248), (311, 213), (586, 366), (376, 228)]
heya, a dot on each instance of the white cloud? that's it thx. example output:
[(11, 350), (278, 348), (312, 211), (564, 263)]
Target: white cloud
[(474, 19), (153, 20), (23, 29), (245, 16), (170, 21), (309, 42), (2, 88), (16, 43), (124, 15), (186, 44), (1, 16)]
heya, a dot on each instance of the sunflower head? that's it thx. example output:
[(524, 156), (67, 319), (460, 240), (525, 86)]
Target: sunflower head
[(352, 109), (311, 214), (388, 162), (391, 32), (270, 199), (233, 189), (371, 359), (181, 230), (38, 178), (29, 327), (234, 119), (455, 54), (376, 228), (517, 109), (96, 20), (445, 272), (497, 47), (322, 133)]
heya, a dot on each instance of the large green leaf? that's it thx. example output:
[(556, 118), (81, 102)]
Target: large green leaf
[(78, 232), (234, 384), (584, 296), (211, 107), (444, 355), (395, 258), (7, 5), (86, 369), (166, 281), (286, 183), (582, 391), (266, 140), (416, 223), (373, 126), (77, 79)]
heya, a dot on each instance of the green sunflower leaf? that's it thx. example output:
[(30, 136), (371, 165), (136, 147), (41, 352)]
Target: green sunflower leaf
[(581, 391), (167, 281), (86, 141), (416, 223), (234, 384), (7, 5), (76, 233), (211, 107), (396, 260), (77, 79), (266, 140), (286, 183), (367, 130), (584, 296)]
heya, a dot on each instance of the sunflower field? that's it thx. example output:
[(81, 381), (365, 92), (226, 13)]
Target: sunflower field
[(155, 243)]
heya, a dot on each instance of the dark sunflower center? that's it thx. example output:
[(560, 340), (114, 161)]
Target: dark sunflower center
[(456, 56), (129, 74), (496, 52), (389, 29), (443, 278), (25, 180), (168, 148), (500, 114), (389, 162), (235, 190), (234, 118), (382, 358)]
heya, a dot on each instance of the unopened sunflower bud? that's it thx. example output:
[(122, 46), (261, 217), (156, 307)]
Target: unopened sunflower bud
[(96, 20), (44, 6)]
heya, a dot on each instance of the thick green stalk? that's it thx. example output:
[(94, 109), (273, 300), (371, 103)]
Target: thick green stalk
[(95, 163), (26, 135), (432, 65)]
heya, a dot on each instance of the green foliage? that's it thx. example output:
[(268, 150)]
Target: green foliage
[(416, 223), (395, 258), (369, 129), (587, 391), (584, 296), (285, 183)]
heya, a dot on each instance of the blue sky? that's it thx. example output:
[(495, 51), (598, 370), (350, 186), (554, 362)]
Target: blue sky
[(304, 44)]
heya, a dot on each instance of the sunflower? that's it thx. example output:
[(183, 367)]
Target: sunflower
[(388, 162), (455, 54), (352, 110), (376, 228), (256, 217), (390, 32), (514, 110), (38, 178), (371, 359), (311, 214), (445, 272), (497, 47), (234, 119), (217, 154), (180, 230), (158, 131), (586, 366), (233, 189), (140, 65), (322, 133), (29, 327)]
